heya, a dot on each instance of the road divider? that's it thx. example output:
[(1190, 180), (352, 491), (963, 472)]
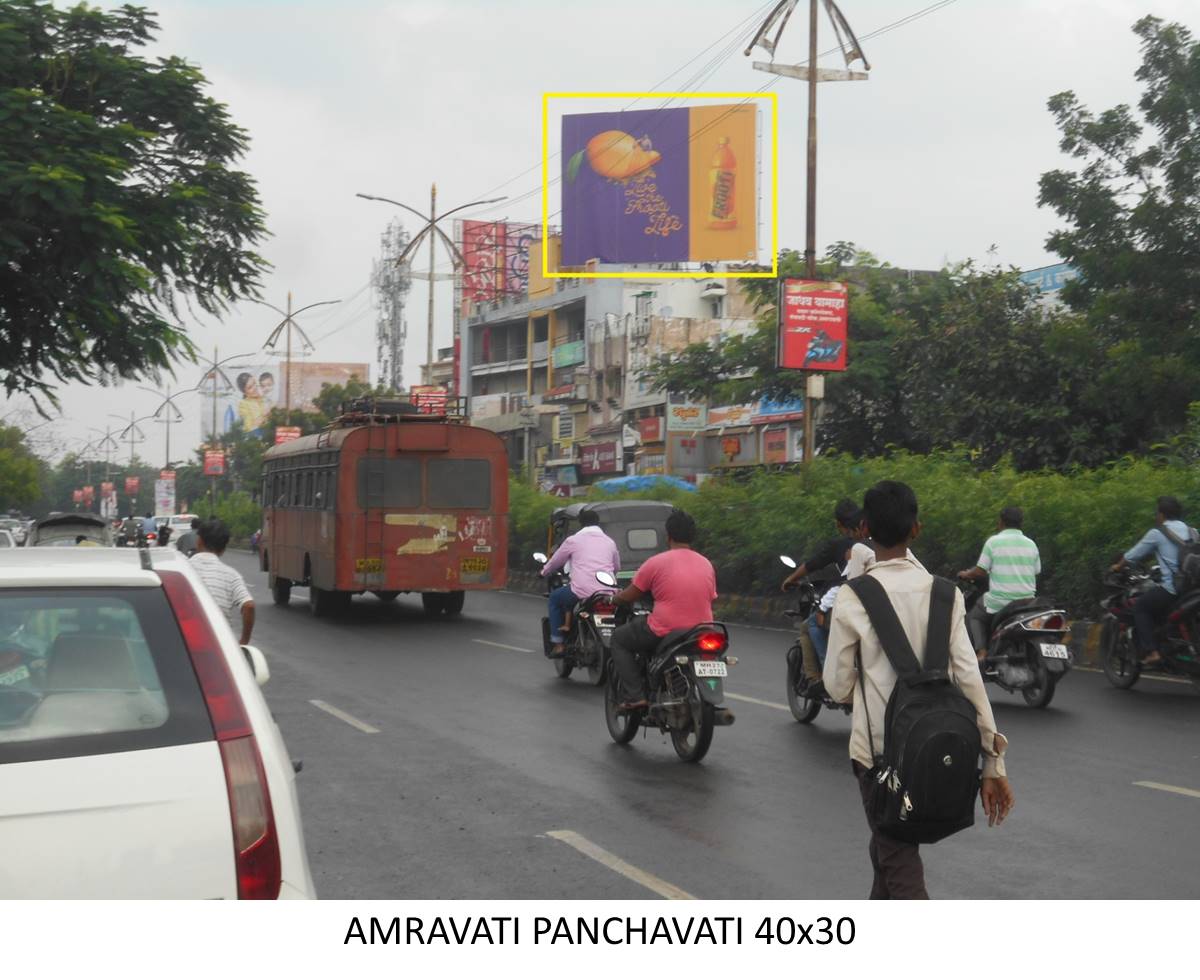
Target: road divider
[(598, 854), (341, 715)]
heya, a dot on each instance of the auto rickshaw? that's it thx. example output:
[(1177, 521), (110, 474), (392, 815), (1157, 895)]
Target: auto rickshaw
[(637, 526)]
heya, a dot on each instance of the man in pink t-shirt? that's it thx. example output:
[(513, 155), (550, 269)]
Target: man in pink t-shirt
[(683, 583)]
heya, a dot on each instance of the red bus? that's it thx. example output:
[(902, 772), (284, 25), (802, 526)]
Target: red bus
[(386, 500)]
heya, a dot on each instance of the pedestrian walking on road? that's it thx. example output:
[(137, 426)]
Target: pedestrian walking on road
[(224, 583), (890, 509)]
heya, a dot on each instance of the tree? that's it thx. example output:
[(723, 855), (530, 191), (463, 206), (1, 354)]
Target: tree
[(1133, 233), (119, 199), (20, 470)]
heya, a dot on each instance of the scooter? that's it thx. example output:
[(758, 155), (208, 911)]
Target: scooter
[(588, 642), (802, 667), (1028, 650)]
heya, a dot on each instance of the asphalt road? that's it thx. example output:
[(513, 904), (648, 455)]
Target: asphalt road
[(475, 753)]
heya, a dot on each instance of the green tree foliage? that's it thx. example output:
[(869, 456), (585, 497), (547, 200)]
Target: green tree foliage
[(1132, 213), (118, 197), (20, 471)]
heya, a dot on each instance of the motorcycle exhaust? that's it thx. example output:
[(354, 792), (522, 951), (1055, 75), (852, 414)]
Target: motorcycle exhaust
[(722, 716)]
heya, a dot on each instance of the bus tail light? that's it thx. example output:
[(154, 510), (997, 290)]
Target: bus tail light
[(255, 840)]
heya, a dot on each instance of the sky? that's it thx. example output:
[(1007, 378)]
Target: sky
[(935, 159)]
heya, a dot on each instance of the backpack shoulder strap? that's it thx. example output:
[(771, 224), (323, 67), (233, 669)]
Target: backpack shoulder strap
[(937, 637), (1170, 535), (886, 624)]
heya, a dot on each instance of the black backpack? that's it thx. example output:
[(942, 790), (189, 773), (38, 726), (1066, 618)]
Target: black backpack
[(1189, 559), (925, 783)]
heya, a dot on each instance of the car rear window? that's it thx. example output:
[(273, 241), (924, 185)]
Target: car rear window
[(93, 671)]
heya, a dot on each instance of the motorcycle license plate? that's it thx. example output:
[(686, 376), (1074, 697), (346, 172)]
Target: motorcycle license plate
[(1055, 651), (710, 668)]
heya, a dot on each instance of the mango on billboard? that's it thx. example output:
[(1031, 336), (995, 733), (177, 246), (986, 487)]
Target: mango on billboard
[(660, 185)]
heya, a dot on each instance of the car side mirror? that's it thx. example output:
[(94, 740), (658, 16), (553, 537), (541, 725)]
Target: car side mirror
[(540, 557), (258, 664), (606, 578), (788, 561)]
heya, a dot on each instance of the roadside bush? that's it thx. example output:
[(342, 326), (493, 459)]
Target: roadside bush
[(241, 513), (1079, 519)]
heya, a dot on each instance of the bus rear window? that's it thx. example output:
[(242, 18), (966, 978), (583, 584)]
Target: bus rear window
[(460, 483), (389, 483)]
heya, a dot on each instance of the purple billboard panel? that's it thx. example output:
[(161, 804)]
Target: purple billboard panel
[(625, 186)]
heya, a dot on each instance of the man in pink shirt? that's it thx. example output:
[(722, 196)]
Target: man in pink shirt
[(684, 585), (589, 550)]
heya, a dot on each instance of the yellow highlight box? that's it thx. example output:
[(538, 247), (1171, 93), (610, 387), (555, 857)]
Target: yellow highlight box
[(774, 100)]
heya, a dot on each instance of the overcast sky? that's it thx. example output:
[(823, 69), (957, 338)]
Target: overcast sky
[(934, 159)]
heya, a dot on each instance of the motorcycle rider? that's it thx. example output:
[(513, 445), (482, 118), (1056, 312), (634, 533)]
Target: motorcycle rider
[(1012, 563), (1153, 605), (589, 550), (684, 585)]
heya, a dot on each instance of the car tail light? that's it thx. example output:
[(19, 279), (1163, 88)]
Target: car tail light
[(255, 841), (711, 642)]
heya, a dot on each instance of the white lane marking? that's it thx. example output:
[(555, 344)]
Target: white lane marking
[(1168, 788), (614, 863), (349, 719), (750, 700), (503, 646), (1144, 676)]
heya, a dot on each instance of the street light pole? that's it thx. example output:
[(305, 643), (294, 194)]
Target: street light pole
[(851, 52), (168, 401), (287, 324), (431, 231)]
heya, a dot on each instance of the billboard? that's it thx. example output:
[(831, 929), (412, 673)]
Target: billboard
[(813, 319), (256, 389), (164, 496), (603, 457), (429, 399), (660, 185), (214, 463), (496, 257), (286, 433), (307, 379), (132, 483)]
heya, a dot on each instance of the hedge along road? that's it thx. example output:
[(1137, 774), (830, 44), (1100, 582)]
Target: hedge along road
[(464, 768)]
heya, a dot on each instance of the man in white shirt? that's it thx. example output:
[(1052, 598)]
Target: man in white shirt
[(224, 583), (890, 509)]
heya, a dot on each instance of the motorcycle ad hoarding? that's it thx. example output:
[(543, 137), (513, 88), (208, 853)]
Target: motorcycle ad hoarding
[(813, 321)]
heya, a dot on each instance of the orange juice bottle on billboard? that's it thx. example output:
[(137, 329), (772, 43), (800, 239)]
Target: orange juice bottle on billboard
[(723, 178)]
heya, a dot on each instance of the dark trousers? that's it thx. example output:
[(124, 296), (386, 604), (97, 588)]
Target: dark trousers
[(627, 642), (979, 625), (1150, 610), (899, 872)]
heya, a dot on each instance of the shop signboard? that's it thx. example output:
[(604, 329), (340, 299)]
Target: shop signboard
[(601, 457), (775, 446), (429, 399), (684, 415), (783, 410), (651, 429), (730, 415)]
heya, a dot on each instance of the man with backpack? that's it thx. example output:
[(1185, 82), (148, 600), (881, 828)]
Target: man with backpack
[(1177, 551), (899, 650)]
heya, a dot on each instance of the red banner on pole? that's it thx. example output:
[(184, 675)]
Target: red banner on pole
[(813, 319), (89, 494), (286, 433), (166, 474), (214, 462), (132, 483), (77, 496)]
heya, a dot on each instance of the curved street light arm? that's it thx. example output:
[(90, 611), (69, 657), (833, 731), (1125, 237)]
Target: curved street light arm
[(413, 244), (473, 204), (399, 204), (455, 255)]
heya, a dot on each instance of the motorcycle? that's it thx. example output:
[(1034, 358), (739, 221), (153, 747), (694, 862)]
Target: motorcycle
[(587, 644), (1177, 637), (686, 679), (805, 704), (1028, 649)]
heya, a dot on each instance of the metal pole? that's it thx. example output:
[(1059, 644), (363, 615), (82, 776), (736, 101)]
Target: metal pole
[(429, 338), (213, 432), (287, 373), (810, 233), (170, 405)]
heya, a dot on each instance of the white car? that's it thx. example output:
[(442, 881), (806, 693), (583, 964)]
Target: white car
[(180, 523), (138, 758)]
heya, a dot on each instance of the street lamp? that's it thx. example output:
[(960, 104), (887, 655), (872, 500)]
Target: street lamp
[(287, 324), (432, 232), (216, 373), (174, 415)]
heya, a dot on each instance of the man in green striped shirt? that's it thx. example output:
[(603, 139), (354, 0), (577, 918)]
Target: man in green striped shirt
[(1012, 564)]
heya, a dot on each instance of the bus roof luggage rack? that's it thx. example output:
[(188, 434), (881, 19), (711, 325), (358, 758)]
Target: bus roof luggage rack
[(373, 409)]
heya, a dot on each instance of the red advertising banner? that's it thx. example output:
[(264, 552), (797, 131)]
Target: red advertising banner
[(429, 399), (286, 433), (775, 446), (132, 483), (214, 462), (651, 429), (89, 494), (106, 489), (77, 496), (496, 257), (813, 318), (603, 457), (166, 474)]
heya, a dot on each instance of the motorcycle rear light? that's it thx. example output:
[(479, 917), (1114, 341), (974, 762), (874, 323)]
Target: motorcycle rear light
[(711, 642), (604, 608), (1054, 623), (255, 841)]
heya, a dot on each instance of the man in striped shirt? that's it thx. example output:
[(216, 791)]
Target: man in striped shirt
[(224, 583), (1012, 564)]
